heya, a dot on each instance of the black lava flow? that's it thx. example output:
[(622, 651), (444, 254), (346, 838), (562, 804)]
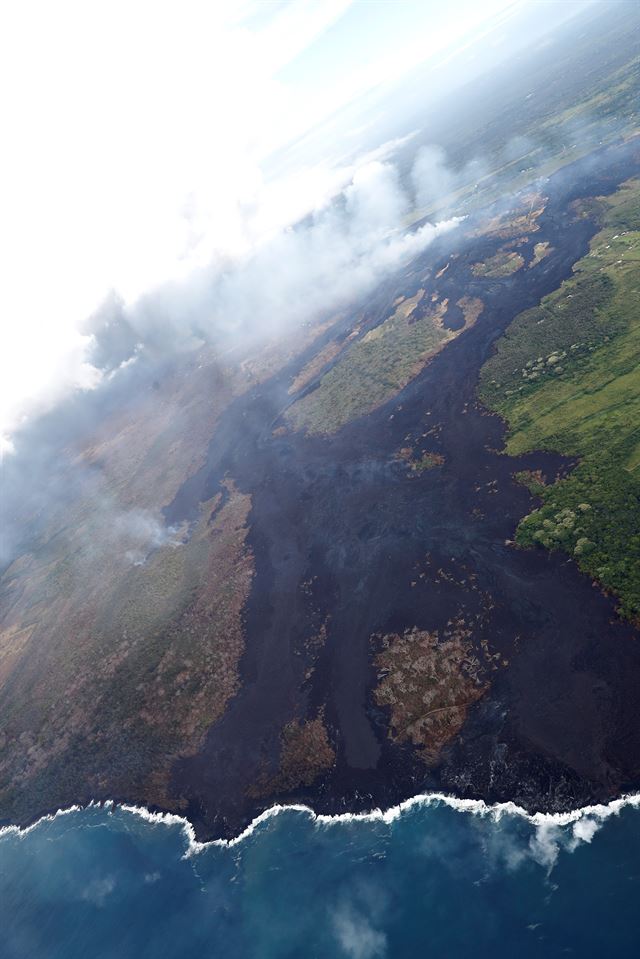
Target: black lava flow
[(340, 530)]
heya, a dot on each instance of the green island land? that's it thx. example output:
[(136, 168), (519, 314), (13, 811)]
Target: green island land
[(566, 377), (375, 368), (504, 263)]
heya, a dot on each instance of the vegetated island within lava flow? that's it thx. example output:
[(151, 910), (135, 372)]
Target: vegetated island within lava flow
[(370, 597)]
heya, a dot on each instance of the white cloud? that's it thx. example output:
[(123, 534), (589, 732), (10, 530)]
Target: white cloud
[(357, 936), (338, 254), (138, 135), (551, 839), (584, 830), (137, 132), (97, 891), (509, 842)]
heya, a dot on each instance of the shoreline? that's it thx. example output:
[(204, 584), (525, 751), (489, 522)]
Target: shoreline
[(478, 807)]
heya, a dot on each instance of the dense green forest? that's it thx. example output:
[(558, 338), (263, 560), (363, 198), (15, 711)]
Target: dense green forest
[(566, 377)]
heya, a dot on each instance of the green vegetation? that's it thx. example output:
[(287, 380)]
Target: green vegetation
[(503, 263), (566, 377), (372, 370), (552, 339), (533, 480)]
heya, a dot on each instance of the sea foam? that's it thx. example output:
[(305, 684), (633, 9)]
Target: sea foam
[(586, 820)]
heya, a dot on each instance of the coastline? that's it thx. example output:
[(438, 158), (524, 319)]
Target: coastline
[(598, 812)]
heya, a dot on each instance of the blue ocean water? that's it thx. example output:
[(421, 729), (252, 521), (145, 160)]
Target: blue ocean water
[(433, 882)]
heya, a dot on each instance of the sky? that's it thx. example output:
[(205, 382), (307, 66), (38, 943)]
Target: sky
[(137, 138)]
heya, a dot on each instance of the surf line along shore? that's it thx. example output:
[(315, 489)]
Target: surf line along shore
[(584, 820)]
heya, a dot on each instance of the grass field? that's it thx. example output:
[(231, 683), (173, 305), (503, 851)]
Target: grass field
[(504, 263), (373, 369), (566, 377)]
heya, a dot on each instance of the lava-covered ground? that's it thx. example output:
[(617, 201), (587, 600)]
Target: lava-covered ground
[(346, 537)]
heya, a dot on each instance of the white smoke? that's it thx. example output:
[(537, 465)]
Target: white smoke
[(137, 532), (336, 255), (432, 177)]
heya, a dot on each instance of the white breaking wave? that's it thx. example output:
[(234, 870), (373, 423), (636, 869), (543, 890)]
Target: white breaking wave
[(585, 820)]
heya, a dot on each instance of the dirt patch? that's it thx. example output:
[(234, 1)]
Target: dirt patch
[(428, 682), (305, 755), (516, 222), (472, 307)]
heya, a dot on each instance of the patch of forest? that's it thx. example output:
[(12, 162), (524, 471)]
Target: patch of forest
[(566, 377)]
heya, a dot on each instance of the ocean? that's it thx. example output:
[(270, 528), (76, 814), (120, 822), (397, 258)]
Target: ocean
[(434, 878)]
